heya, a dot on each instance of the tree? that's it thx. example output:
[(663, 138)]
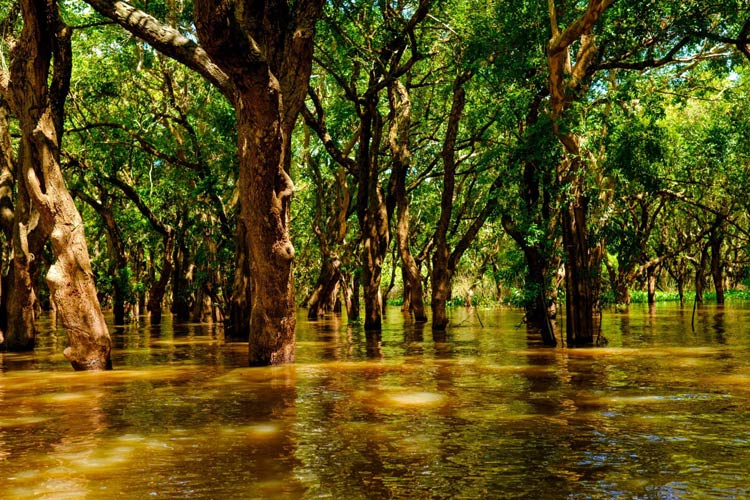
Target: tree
[(260, 58), (38, 101)]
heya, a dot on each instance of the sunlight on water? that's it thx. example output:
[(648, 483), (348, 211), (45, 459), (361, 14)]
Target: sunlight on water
[(483, 412), (416, 399)]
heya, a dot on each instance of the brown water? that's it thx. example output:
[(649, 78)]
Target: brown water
[(661, 412)]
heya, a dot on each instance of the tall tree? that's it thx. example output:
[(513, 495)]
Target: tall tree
[(260, 57)]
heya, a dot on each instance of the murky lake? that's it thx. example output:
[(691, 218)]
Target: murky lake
[(661, 412)]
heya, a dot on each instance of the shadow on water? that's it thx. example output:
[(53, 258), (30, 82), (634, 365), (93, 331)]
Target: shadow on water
[(478, 411)]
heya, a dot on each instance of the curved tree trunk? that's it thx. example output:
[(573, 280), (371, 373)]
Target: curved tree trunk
[(399, 143), (156, 294), (39, 106)]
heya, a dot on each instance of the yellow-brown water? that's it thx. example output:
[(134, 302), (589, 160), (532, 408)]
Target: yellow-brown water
[(661, 412)]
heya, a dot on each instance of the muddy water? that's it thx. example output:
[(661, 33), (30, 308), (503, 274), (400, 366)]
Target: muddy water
[(661, 412)]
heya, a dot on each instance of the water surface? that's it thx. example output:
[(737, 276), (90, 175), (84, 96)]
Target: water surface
[(482, 412)]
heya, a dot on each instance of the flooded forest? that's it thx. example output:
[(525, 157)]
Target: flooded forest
[(392, 249)]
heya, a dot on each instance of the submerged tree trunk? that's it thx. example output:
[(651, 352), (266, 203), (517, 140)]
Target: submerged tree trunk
[(542, 309), (260, 58), (38, 104), (652, 273), (579, 299), (442, 265), (270, 64), (9, 315), (372, 211), (700, 275)]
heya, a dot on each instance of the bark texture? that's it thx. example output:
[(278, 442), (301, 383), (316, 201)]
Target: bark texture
[(38, 101), (399, 144), (266, 51)]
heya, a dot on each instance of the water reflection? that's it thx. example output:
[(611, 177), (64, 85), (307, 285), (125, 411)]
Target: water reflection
[(479, 411)]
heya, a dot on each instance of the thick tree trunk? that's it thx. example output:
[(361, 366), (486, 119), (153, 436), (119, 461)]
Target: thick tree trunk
[(579, 299), (567, 78), (622, 288), (270, 64), (441, 292), (264, 211)]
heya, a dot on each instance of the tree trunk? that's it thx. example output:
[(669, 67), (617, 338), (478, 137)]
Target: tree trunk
[(399, 144), (442, 271), (579, 299), (264, 211), (238, 327), (352, 297), (270, 65), (541, 310), (566, 79), (323, 298), (156, 294), (652, 273), (441, 292), (717, 268), (11, 316), (700, 275), (20, 334), (372, 212), (39, 110)]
